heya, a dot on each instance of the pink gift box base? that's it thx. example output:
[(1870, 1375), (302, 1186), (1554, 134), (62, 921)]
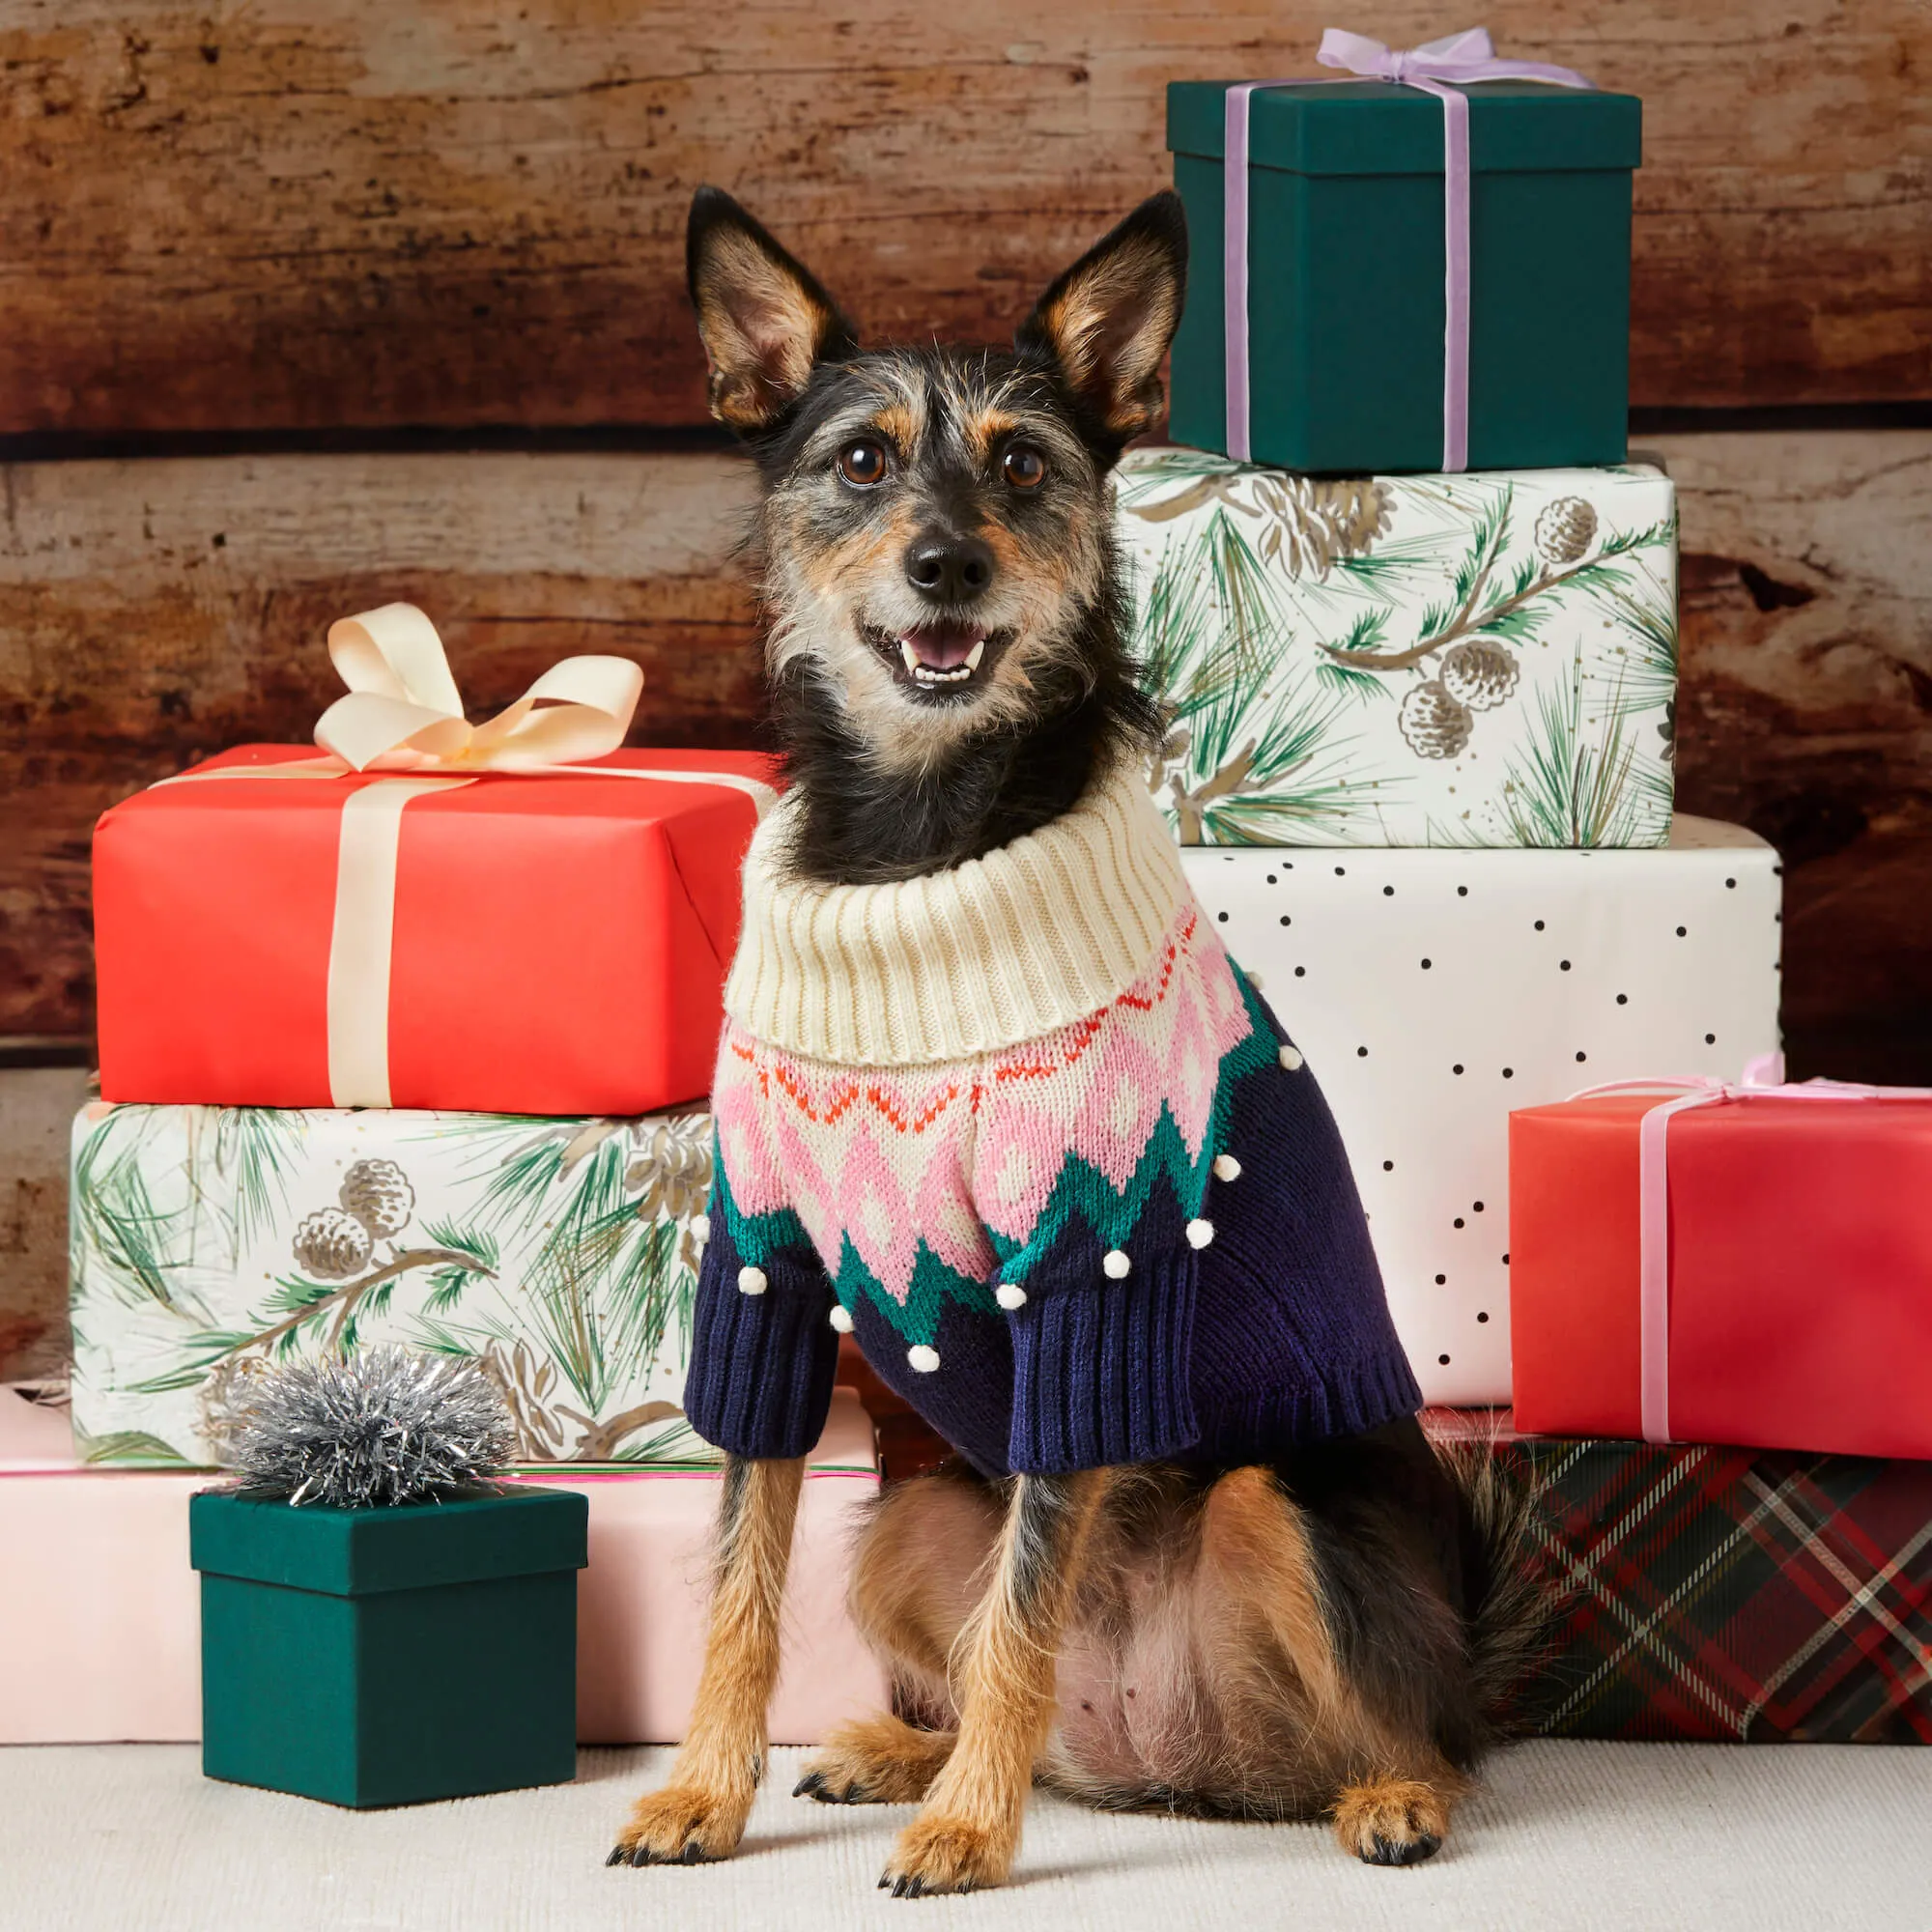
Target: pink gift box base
[(99, 1615)]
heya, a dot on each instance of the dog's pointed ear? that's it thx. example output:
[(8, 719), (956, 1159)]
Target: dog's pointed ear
[(1107, 322), (764, 318)]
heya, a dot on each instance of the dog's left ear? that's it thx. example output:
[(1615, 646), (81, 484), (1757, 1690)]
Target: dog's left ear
[(1107, 322)]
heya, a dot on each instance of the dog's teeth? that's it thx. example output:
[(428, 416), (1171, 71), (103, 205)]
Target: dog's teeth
[(910, 655), (974, 656)]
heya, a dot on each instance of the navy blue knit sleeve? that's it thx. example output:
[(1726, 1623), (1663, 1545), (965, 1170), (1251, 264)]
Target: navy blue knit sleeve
[(1100, 1369), (1101, 1346), (763, 1352)]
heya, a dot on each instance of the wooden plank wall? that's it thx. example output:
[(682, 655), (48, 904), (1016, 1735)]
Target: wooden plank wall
[(360, 212), (348, 218)]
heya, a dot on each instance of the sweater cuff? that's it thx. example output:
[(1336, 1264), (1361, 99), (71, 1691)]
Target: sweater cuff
[(759, 1380), (1100, 1370)]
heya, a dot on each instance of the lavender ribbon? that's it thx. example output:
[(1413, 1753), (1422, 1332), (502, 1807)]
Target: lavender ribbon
[(1764, 1077), (1438, 68)]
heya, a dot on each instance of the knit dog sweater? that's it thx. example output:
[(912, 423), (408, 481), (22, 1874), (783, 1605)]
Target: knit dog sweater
[(1025, 1130)]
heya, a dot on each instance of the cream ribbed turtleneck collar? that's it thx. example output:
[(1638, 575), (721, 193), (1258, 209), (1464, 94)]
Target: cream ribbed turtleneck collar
[(984, 955)]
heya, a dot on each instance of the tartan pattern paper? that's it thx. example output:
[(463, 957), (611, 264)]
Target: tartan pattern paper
[(1732, 1595)]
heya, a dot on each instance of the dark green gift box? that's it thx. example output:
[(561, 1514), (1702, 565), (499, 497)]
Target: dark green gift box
[(388, 1656), (1346, 261)]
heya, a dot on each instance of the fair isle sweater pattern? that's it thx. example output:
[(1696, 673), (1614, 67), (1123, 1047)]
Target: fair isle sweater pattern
[(1025, 1133), (918, 1186)]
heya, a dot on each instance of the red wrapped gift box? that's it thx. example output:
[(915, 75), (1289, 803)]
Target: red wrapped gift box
[(1791, 1281), (494, 942)]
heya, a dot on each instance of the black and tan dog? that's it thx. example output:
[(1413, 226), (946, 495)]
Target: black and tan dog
[(1329, 1636)]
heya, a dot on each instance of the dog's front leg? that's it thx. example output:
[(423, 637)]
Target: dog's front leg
[(702, 1812), (969, 1828)]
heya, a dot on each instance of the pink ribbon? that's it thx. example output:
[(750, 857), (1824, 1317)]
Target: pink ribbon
[(1764, 1078), (1438, 68)]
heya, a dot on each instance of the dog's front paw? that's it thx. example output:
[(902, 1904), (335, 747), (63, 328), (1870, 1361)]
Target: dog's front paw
[(945, 1855), (877, 1760), (681, 1825), (1391, 1821)]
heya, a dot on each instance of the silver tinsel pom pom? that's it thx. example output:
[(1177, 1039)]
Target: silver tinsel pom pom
[(378, 1193), (1435, 724), (383, 1426)]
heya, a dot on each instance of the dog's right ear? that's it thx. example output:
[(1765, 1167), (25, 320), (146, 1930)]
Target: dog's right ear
[(764, 319)]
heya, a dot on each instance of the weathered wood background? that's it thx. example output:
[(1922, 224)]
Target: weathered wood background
[(250, 224), (360, 212)]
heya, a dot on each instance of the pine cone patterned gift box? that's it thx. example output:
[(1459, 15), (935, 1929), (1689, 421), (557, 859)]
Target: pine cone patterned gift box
[(560, 1253), (1433, 991), (1476, 660), (1724, 1595)]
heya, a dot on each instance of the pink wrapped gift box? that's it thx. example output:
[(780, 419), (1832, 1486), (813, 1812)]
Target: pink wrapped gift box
[(100, 1612)]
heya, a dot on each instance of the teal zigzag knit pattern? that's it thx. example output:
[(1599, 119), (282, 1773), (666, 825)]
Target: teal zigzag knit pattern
[(906, 1174)]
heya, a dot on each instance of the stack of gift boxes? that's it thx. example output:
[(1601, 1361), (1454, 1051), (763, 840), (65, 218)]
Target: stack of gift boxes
[(1415, 619), (414, 1055)]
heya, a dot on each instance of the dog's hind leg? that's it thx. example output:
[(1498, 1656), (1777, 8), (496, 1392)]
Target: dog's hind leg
[(880, 1760), (702, 1812), (969, 1828), (1365, 1759), (1393, 1821), (917, 1577)]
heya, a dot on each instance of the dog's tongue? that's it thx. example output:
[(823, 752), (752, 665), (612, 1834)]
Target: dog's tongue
[(943, 647)]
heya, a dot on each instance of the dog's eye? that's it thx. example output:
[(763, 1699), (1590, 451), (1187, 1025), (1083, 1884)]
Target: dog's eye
[(1025, 469), (862, 463)]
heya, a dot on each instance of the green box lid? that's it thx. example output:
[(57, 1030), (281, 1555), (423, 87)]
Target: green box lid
[(520, 1531), (1374, 127)]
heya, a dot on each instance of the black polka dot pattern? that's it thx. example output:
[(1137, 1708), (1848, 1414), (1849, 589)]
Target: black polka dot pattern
[(1431, 1002)]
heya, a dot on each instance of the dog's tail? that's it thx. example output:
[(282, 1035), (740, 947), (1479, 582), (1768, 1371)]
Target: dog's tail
[(1513, 1601)]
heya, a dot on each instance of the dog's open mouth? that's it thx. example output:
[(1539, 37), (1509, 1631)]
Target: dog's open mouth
[(939, 656)]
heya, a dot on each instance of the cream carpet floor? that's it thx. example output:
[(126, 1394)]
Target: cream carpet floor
[(130, 1839)]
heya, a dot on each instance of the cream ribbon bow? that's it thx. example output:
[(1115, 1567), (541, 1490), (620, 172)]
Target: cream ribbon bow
[(403, 715), (403, 712)]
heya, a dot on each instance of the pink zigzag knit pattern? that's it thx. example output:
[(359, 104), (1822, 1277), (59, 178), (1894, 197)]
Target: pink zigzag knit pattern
[(952, 1153)]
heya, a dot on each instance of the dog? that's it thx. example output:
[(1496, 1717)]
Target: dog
[(1329, 1630)]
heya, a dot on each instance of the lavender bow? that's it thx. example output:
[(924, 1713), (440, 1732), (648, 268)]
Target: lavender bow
[(1438, 68)]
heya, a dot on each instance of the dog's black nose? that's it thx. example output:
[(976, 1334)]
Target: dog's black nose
[(949, 569)]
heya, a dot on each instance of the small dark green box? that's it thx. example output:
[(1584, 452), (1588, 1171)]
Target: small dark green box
[(388, 1656), (1346, 254)]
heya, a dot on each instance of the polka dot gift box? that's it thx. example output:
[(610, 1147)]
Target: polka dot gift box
[(1487, 659), (1432, 992)]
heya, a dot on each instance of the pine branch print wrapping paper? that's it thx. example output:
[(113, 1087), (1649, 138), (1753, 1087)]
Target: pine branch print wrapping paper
[(207, 1241), (1487, 659)]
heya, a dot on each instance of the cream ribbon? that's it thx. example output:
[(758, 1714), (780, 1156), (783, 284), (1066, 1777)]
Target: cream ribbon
[(402, 712)]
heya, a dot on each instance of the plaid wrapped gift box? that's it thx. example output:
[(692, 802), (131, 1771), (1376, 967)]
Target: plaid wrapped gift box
[(1729, 1595)]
